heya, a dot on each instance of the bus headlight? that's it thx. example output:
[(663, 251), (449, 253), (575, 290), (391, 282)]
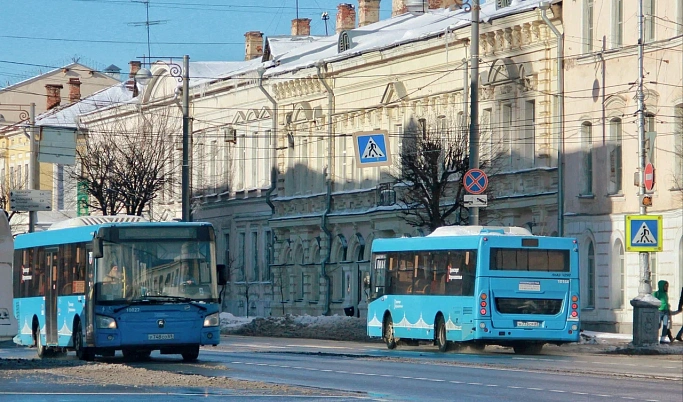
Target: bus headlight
[(104, 322), (212, 320)]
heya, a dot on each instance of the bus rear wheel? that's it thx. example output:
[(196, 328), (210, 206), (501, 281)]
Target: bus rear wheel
[(191, 353), (388, 333), (40, 348), (441, 340), (528, 348)]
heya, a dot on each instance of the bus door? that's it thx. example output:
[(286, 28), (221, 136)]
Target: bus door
[(90, 297), (51, 291)]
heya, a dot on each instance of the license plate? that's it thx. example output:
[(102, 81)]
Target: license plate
[(159, 337), (528, 324)]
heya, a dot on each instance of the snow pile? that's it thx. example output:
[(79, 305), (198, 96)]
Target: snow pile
[(338, 328)]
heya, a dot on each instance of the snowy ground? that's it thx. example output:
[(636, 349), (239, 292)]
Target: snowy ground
[(342, 328)]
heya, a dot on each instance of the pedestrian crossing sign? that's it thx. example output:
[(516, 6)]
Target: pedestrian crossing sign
[(372, 148), (644, 233)]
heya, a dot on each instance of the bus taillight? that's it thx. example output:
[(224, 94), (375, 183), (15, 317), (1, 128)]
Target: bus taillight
[(574, 314), (483, 303)]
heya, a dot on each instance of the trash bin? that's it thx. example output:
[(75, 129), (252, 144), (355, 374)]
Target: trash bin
[(349, 311)]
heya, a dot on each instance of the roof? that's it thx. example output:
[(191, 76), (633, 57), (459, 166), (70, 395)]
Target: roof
[(40, 76)]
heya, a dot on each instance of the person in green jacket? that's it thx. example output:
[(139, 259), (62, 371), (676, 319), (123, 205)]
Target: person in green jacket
[(664, 309)]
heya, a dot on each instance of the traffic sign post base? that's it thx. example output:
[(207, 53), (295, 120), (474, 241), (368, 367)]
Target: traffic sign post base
[(645, 321)]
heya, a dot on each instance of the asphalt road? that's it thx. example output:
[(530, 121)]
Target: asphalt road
[(368, 371)]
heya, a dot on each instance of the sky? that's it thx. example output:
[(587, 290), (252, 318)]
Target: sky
[(40, 35)]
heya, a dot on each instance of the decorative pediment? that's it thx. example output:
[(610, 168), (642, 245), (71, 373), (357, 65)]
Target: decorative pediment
[(302, 112), (239, 118), (394, 92), (502, 70)]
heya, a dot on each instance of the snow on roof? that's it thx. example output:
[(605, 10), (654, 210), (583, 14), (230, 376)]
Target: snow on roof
[(67, 116), (477, 230), (39, 76), (385, 34)]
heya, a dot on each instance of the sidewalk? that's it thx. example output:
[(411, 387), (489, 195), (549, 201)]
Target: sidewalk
[(621, 344)]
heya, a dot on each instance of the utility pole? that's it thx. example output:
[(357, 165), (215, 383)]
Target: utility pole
[(34, 174), (645, 306), (474, 100), (186, 141)]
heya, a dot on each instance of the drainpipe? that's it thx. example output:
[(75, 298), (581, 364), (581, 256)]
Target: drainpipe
[(273, 166), (273, 137), (544, 6), (330, 176)]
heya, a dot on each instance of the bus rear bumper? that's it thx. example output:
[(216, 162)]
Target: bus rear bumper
[(485, 332)]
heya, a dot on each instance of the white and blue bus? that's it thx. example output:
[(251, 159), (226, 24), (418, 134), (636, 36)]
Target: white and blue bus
[(98, 285), (8, 324), (476, 286)]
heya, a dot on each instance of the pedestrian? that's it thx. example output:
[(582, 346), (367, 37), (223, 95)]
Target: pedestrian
[(664, 310), (679, 336)]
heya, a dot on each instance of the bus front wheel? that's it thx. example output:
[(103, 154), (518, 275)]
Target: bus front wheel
[(191, 353), (388, 333), (82, 352)]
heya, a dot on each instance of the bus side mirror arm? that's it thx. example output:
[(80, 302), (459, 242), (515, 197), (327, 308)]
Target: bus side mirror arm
[(97, 247)]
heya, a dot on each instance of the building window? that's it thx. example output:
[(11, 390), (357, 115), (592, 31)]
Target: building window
[(678, 144), (486, 138), (649, 9), (241, 239), (617, 23), (650, 142), (255, 252), (654, 272), (506, 125), (588, 26), (587, 156), (213, 160), (615, 157), (253, 163), (618, 276), (60, 187), (529, 139), (227, 261), (268, 156), (241, 160), (589, 298), (268, 236)]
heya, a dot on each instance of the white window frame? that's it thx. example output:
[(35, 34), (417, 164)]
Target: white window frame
[(649, 23), (617, 23), (616, 156), (588, 25)]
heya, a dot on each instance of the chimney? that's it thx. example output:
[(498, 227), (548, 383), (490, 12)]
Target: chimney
[(54, 96), (74, 90), (433, 4), (301, 26), (398, 7), (253, 45), (346, 17), (368, 12), (134, 68)]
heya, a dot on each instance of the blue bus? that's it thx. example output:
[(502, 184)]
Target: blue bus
[(476, 286), (97, 285)]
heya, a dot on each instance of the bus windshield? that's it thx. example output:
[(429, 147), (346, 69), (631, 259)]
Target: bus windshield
[(156, 269)]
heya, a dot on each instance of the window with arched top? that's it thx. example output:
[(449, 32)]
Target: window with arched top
[(678, 142), (589, 280)]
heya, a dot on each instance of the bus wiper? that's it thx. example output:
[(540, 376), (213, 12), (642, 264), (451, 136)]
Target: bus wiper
[(175, 298)]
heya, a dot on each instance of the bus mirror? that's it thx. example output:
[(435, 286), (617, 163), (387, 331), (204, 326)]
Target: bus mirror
[(97, 247), (222, 271)]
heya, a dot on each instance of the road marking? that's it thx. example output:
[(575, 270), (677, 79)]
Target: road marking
[(440, 380)]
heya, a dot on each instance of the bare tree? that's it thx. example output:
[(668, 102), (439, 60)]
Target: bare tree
[(429, 176), (125, 163)]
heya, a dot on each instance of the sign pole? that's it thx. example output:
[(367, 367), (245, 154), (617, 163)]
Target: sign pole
[(34, 174), (474, 100), (645, 306)]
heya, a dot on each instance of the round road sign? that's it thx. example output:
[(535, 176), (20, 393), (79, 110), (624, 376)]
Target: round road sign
[(649, 180), (475, 181)]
